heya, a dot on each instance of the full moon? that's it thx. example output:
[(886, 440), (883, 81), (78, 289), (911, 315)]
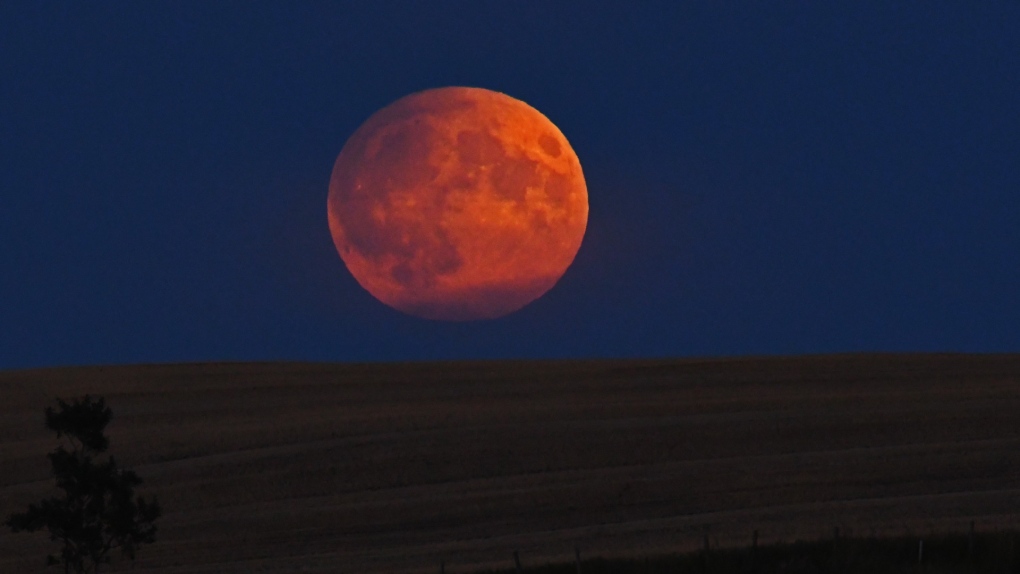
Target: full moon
[(457, 204)]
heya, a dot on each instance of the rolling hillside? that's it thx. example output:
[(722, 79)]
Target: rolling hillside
[(287, 467)]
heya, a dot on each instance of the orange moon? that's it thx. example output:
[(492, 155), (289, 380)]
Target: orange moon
[(457, 204)]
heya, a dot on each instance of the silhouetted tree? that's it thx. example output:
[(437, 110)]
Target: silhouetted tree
[(98, 512)]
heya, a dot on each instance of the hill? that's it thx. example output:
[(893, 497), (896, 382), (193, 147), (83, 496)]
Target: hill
[(284, 467)]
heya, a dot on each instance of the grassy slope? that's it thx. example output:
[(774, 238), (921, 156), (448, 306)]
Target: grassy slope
[(373, 468), (983, 553)]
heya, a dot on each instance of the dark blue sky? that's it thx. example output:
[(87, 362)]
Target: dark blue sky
[(792, 177)]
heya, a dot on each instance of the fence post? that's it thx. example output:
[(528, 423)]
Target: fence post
[(442, 567), (754, 547), (577, 558), (704, 554), (517, 562), (970, 542), (920, 550)]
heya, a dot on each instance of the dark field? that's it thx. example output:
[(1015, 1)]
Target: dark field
[(978, 553), (392, 468)]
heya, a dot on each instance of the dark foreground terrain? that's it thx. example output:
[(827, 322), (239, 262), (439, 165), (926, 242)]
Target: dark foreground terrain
[(966, 553), (393, 468)]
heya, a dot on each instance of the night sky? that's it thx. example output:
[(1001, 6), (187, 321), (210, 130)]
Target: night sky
[(763, 177)]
